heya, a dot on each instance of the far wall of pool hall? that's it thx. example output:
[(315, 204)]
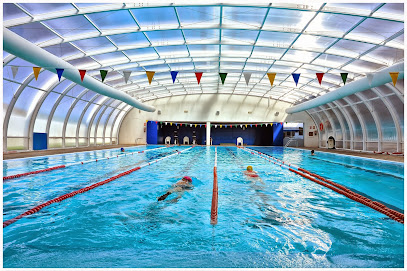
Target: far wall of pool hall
[(216, 109)]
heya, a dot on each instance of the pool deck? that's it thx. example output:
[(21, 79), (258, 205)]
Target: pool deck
[(395, 158), (24, 154)]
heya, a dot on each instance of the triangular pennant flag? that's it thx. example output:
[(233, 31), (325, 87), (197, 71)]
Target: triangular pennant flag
[(344, 75), (251, 125), (150, 76), (195, 125), (281, 123), (247, 76), (198, 76), (171, 123), (230, 126), (369, 76), (216, 125), (223, 77), (14, 70), (241, 125), (156, 122), (60, 72), (245, 125), (200, 125), (394, 76), (319, 76), (296, 77), (255, 125), (235, 125), (103, 73), (36, 72), (221, 126), (190, 125), (174, 76), (272, 76), (126, 75), (166, 123), (82, 73)]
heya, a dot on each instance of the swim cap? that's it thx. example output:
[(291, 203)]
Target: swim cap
[(187, 178), (249, 168)]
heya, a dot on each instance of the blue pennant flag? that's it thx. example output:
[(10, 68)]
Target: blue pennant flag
[(59, 72), (296, 77), (174, 75)]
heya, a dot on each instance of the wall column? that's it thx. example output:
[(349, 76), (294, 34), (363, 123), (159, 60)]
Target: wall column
[(208, 133)]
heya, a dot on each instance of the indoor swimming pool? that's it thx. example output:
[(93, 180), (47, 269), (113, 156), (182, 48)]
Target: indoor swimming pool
[(279, 219)]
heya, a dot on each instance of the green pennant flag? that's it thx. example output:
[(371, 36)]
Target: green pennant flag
[(344, 76), (103, 74), (223, 77)]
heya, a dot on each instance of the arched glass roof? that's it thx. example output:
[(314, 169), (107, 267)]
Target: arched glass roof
[(211, 38)]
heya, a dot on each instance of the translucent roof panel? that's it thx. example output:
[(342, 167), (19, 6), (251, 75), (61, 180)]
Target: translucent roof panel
[(233, 38)]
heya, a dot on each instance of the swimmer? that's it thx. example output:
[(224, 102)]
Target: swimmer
[(181, 185), (250, 172), (312, 152), (122, 149)]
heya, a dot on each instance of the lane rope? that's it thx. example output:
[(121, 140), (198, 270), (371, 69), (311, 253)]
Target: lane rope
[(393, 214), (85, 189), (73, 164), (214, 207)]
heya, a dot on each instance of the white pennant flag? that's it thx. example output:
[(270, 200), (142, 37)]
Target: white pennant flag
[(190, 125), (369, 77), (247, 76), (14, 69), (241, 125), (165, 123), (126, 75), (216, 125)]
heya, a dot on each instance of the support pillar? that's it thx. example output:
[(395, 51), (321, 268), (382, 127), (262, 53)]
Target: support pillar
[(208, 133)]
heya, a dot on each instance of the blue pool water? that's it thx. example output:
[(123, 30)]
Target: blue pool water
[(280, 220)]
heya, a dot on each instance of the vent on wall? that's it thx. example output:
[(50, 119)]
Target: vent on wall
[(159, 112), (217, 113), (276, 114)]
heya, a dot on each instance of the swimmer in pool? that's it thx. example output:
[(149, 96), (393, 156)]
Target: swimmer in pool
[(122, 149), (250, 172), (181, 185), (312, 152)]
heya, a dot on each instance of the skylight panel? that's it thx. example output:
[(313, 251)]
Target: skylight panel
[(95, 45), (195, 17), (240, 37), (330, 60), (267, 53), (375, 30), (349, 48), (287, 20), (203, 50), (156, 18), (11, 11), (243, 17), (361, 66), (360, 8), (71, 26), (182, 66), (63, 50), (313, 43), (104, 59), (172, 51), (113, 20), (151, 62), (276, 39), (236, 50), (255, 67), (41, 8), (201, 36), (333, 25), (391, 10), (34, 32), (130, 40), (165, 37), (84, 63), (300, 56), (384, 55), (142, 54)]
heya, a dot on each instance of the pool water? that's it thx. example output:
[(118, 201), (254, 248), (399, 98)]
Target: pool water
[(278, 220)]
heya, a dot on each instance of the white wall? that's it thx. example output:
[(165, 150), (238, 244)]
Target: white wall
[(202, 108), (309, 141)]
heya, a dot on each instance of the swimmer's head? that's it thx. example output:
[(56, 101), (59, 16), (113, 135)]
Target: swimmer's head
[(249, 168), (312, 151), (187, 178), (122, 149)]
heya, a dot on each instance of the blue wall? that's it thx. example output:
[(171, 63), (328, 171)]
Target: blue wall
[(261, 136), (278, 134), (152, 132), (39, 141)]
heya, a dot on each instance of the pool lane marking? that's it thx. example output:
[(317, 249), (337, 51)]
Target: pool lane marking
[(73, 164), (85, 189), (393, 214), (214, 207)]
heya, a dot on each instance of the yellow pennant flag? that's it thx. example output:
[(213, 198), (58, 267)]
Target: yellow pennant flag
[(195, 125), (36, 72), (394, 76), (150, 76), (171, 123), (272, 76), (245, 125), (221, 126)]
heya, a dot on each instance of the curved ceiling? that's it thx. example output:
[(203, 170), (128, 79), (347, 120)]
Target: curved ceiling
[(281, 38)]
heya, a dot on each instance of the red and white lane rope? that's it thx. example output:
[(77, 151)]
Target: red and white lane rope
[(73, 164), (393, 214), (214, 208), (85, 189)]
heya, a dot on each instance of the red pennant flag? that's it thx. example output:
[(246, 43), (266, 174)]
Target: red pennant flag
[(82, 73), (255, 125), (198, 76), (156, 122), (281, 123), (319, 76), (230, 126), (181, 124), (205, 125)]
